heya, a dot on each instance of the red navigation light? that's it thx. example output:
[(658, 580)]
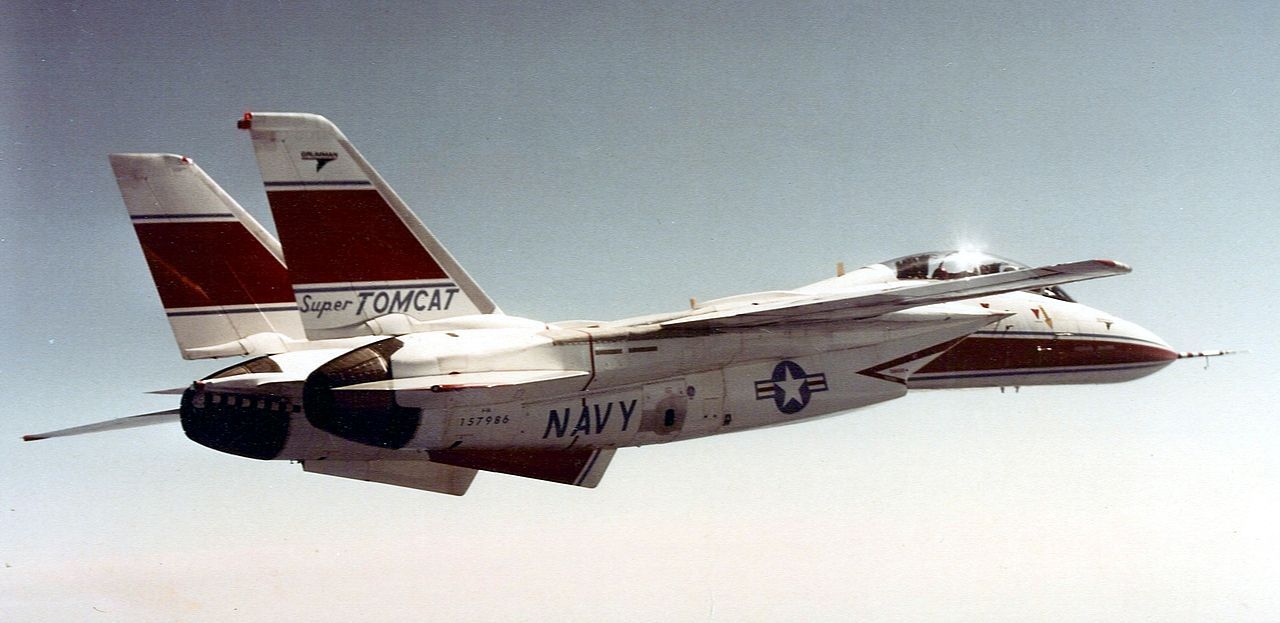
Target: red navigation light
[(246, 122)]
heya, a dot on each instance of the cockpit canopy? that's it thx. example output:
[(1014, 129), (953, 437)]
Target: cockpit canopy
[(944, 265)]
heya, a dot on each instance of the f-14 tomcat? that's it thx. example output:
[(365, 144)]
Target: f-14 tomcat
[(373, 355)]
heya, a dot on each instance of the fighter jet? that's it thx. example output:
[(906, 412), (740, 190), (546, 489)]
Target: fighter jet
[(373, 355)]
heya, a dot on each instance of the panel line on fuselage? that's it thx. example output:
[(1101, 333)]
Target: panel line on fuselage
[(943, 376), (1063, 334)]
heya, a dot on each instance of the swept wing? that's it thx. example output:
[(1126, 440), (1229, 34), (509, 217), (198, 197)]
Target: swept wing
[(826, 307)]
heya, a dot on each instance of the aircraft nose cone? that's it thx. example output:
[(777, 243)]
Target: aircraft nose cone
[(1158, 349), (1135, 351)]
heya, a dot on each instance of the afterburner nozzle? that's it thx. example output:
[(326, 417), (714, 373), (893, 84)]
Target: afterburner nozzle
[(369, 417)]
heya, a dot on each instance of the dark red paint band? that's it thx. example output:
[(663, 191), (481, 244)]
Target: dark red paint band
[(211, 264), (347, 235)]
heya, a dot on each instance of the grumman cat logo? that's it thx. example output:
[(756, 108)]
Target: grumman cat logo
[(321, 157), (790, 387)]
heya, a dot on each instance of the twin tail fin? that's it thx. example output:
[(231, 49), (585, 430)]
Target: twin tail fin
[(360, 262), (219, 274)]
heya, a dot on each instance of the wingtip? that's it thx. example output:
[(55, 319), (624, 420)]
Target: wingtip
[(1114, 264), (33, 437)]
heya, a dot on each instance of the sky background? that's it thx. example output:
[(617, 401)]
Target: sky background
[(588, 161)]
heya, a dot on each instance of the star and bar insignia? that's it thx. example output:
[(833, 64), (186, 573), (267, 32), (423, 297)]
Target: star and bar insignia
[(790, 386)]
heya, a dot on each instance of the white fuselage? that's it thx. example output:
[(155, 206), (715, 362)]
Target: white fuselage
[(631, 384), (640, 386)]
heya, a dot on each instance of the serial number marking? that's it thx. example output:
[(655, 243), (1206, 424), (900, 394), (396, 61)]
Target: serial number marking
[(487, 420)]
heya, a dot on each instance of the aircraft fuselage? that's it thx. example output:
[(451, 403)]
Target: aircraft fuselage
[(638, 385)]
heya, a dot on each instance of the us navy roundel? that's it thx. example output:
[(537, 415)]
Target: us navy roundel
[(790, 387)]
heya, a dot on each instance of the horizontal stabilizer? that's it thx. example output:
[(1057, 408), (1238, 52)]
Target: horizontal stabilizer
[(423, 475), (824, 307), (581, 467), (148, 419)]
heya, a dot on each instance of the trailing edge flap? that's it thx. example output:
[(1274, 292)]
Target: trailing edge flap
[(470, 380), (582, 467), (147, 419), (423, 475), (819, 307)]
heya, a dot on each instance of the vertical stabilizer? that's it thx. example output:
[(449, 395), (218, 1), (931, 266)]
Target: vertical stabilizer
[(355, 251), (219, 273)]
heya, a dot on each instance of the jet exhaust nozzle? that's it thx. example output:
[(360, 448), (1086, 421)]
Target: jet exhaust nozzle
[(251, 426), (369, 417)]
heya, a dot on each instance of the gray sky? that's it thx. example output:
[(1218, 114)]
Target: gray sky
[(597, 162)]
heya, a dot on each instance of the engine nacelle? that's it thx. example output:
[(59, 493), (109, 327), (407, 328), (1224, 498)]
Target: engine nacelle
[(255, 409), (249, 426), (245, 424), (367, 417)]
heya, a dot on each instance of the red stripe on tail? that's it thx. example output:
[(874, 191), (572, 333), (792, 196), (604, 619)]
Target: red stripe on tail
[(208, 264), (338, 236)]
